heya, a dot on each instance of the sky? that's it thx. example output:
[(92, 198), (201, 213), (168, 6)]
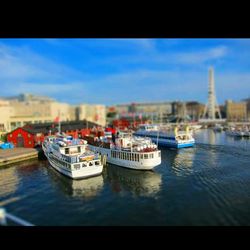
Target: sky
[(117, 71)]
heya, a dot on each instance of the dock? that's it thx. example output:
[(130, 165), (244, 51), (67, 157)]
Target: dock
[(10, 156)]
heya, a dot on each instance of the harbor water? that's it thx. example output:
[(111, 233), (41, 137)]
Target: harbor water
[(204, 185)]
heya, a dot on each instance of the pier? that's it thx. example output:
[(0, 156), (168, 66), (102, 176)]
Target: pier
[(9, 156)]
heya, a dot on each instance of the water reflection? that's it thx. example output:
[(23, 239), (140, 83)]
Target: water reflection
[(211, 137), (28, 168), (139, 183), (85, 188), (207, 136), (8, 181), (183, 161)]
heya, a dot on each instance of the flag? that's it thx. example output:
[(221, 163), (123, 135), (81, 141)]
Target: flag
[(56, 120), (75, 135)]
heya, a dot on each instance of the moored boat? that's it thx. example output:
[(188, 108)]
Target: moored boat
[(126, 150), (71, 157), (171, 139)]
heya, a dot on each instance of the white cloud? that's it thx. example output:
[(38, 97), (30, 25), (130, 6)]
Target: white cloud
[(196, 58), (147, 44), (127, 45), (202, 56), (20, 63), (155, 85), (52, 41), (22, 70), (71, 92)]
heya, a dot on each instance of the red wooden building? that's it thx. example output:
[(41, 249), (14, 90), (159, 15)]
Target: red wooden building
[(128, 123), (22, 137), (32, 135)]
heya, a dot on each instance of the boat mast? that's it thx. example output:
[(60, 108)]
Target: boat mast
[(59, 123), (157, 137)]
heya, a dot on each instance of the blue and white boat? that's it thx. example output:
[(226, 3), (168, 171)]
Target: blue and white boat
[(166, 138)]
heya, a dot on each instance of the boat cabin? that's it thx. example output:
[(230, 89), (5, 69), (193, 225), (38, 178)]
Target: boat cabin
[(148, 127)]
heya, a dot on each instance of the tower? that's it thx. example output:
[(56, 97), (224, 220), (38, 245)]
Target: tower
[(211, 106)]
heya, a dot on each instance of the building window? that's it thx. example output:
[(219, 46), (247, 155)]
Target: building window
[(28, 135), (19, 135), (10, 135), (29, 142)]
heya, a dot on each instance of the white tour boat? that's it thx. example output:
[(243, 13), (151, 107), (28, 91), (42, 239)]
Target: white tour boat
[(126, 151), (171, 139), (71, 157)]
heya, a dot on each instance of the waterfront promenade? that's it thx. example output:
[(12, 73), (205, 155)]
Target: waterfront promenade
[(9, 156)]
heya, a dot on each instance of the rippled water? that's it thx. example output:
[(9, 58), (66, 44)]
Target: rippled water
[(205, 185)]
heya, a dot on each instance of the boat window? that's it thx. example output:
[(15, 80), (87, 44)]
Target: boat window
[(97, 163), (145, 156), (79, 149), (133, 157), (159, 154), (84, 165), (141, 156), (66, 151), (77, 166), (129, 156), (91, 164)]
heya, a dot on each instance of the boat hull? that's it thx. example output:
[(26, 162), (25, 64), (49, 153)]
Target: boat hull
[(78, 174), (137, 165), (169, 143), (82, 173)]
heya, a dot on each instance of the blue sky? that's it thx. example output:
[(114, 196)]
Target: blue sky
[(113, 71)]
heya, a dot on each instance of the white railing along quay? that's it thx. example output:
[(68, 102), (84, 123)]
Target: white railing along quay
[(4, 216)]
